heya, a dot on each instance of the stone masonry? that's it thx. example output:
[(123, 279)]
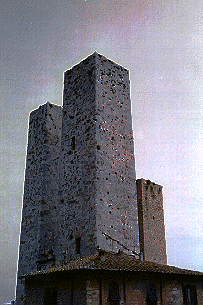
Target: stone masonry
[(97, 205), (151, 221), (80, 191), (38, 226)]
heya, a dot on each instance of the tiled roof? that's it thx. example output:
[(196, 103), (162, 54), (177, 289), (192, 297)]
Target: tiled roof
[(117, 262)]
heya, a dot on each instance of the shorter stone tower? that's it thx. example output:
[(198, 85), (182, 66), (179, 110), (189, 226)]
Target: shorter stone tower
[(151, 221), (38, 226)]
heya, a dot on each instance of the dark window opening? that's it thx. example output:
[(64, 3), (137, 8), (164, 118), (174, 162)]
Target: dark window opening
[(78, 239), (100, 292), (41, 267), (50, 296), (189, 295), (151, 294), (114, 295), (73, 143)]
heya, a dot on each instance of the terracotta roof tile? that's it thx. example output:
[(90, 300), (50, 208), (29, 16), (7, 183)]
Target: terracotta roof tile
[(111, 261)]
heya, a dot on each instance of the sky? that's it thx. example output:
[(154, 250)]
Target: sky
[(161, 43)]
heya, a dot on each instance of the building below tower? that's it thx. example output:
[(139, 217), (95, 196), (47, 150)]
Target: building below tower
[(151, 221), (108, 278)]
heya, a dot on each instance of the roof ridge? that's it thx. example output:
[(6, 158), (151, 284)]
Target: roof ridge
[(114, 261)]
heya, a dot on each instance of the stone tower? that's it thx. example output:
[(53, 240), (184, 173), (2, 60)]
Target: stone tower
[(151, 221), (38, 226), (80, 184), (97, 190)]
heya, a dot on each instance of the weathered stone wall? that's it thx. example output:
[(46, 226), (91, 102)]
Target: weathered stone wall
[(93, 291), (79, 291), (135, 293), (200, 292), (137, 288), (116, 204), (38, 226), (151, 221), (97, 171), (70, 290), (64, 291), (172, 291), (77, 169), (34, 295)]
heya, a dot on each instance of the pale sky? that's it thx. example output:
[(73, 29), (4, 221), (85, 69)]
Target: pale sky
[(161, 43)]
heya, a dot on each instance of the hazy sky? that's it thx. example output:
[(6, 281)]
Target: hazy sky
[(161, 43)]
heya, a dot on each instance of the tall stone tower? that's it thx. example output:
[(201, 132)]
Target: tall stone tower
[(38, 226), (97, 190), (151, 221)]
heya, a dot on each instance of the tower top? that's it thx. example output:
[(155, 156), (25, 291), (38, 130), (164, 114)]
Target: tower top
[(95, 54)]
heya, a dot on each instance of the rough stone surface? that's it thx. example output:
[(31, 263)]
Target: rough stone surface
[(151, 221), (38, 226), (172, 292), (97, 171)]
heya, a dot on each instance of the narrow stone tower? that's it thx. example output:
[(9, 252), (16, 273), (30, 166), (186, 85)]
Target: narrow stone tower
[(151, 221), (38, 226), (97, 191)]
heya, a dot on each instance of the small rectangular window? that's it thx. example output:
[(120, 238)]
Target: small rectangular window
[(50, 296), (73, 143), (151, 294), (78, 239), (189, 294)]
